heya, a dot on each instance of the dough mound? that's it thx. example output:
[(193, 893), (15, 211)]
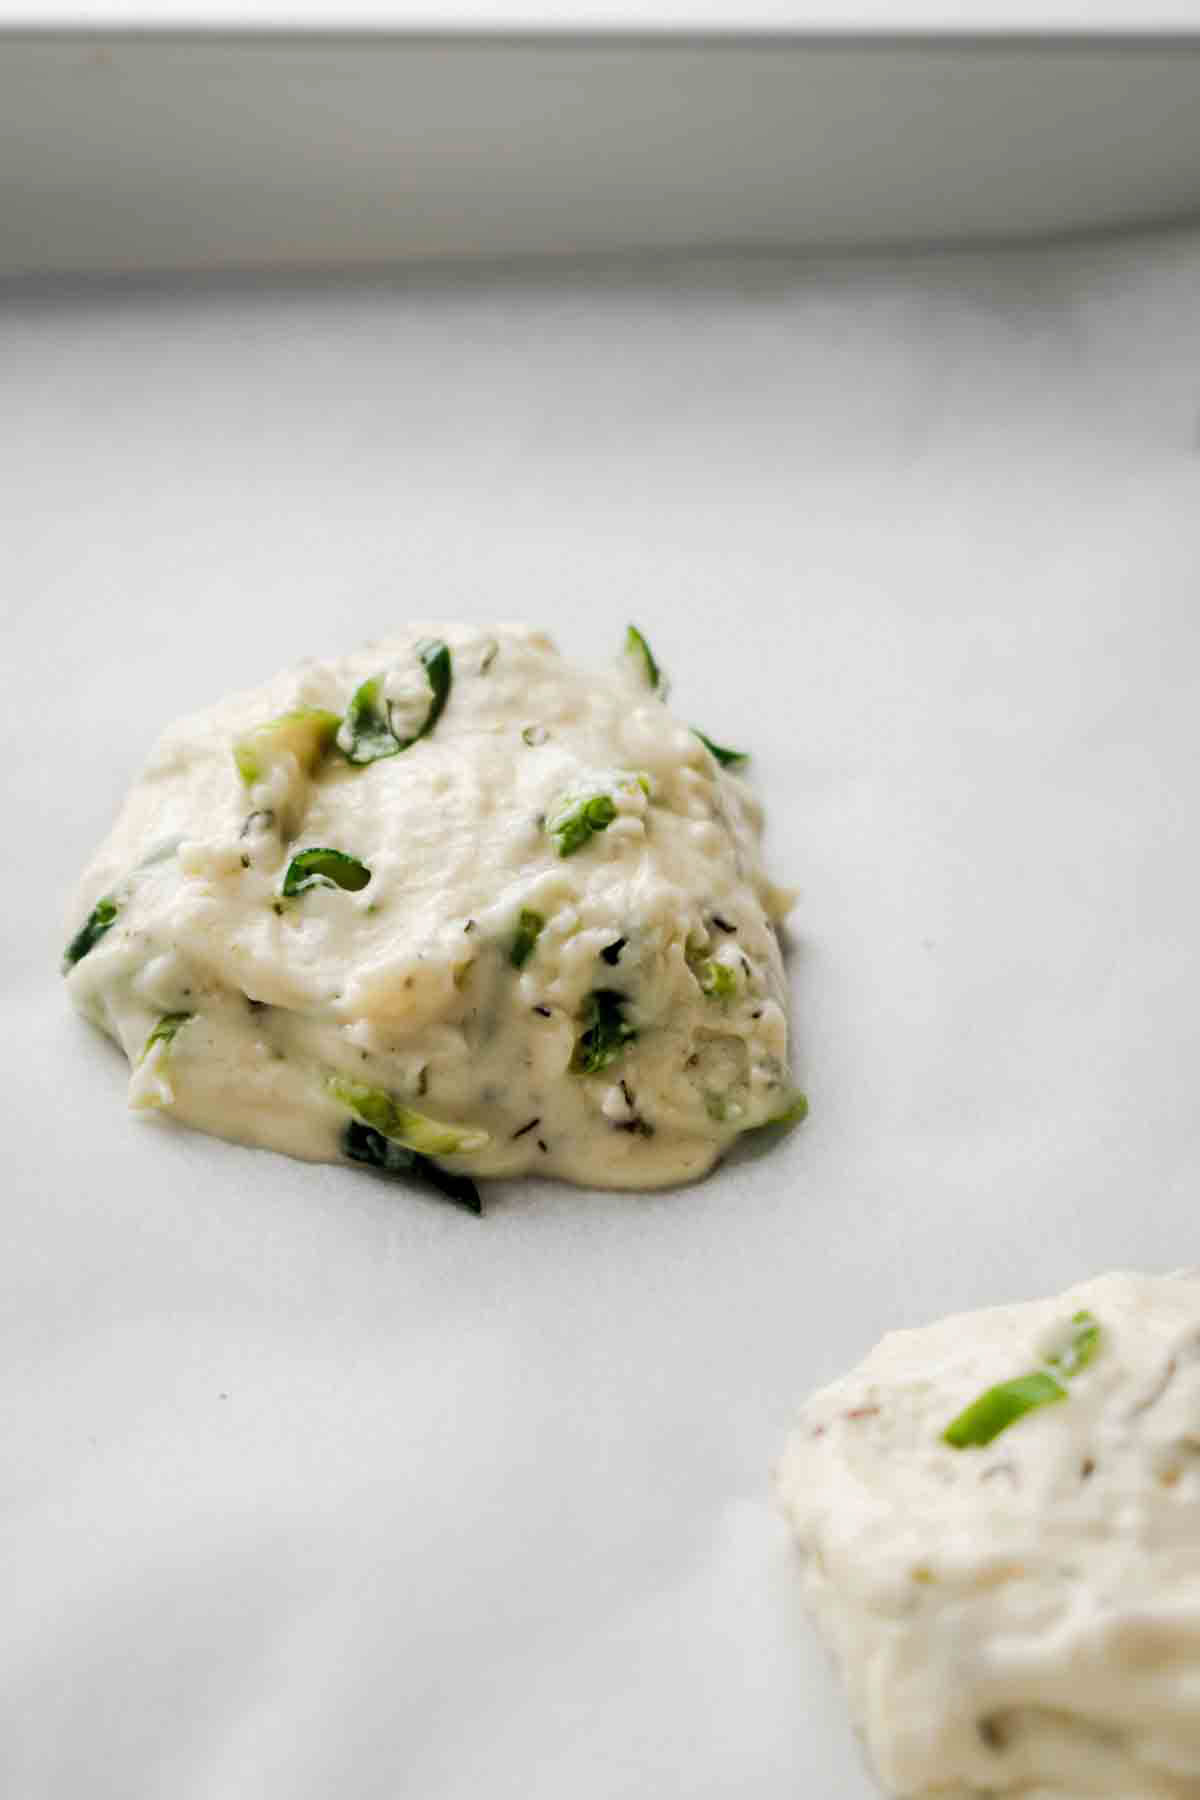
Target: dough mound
[(1022, 1615), (445, 903)]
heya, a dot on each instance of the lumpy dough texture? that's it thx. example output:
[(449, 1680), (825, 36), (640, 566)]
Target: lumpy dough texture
[(1023, 1616), (546, 936)]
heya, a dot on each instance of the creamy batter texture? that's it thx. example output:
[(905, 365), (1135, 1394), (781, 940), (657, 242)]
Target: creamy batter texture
[(999, 1517), (445, 906)]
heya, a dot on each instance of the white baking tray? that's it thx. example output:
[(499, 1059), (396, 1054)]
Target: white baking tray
[(128, 151), (314, 1487)]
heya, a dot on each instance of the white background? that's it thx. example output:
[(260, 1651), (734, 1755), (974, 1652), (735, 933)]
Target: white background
[(313, 1486)]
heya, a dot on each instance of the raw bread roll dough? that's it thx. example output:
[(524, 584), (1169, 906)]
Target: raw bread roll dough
[(1022, 1615), (444, 898)]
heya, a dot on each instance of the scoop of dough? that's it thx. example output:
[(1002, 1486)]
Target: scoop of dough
[(446, 898), (1009, 1577)]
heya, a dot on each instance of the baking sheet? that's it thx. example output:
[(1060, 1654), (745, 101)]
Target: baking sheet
[(277, 150), (1106, 18), (313, 1486)]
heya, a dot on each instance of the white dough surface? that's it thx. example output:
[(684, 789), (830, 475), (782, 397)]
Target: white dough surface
[(606, 1005), (1018, 1613), (312, 1486)]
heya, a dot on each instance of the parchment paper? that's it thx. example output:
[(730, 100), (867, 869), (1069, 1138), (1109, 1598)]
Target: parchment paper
[(312, 1487)]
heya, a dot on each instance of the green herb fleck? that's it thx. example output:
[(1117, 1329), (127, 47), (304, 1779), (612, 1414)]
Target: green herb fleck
[(90, 932), (367, 733), (576, 823), (363, 1145), (605, 1032), (639, 650), (436, 657), (794, 1113), (307, 731), (414, 1130), (324, 868), (164, 1032), (529, 927), (1080, 1347), (728, 759), (1000, 1407), (717, 980)]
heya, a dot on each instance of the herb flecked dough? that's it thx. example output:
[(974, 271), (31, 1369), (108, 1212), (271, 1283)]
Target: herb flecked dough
[(447, 908)]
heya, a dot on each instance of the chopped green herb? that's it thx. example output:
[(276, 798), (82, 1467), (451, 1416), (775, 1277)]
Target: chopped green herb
[(307, 731), (605, 1033), (90, 932), (436, 657), (578, 821), (362, 1145), (728, 759), (414, 1130), (529, 926), (368, 731), (1000, 1407), (717, 980), (164, 1032), (365, 733), (639, 650), (794, 1113), (533, 735), (324, 868), (1080, 1346)]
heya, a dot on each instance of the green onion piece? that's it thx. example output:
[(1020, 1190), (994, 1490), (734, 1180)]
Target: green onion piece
[(324, 868), (529, 927), (578, 822), (637, 648), (793, 1113), (90, 932), (1000, 1407), (365, 733), (362, 1145), (436, 657), (368, 733), (605, 1032), (307, 732), (414, 1130), (997, 1409), (728, 759), (717, 980), (1080, 1347), (164, 1032)]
